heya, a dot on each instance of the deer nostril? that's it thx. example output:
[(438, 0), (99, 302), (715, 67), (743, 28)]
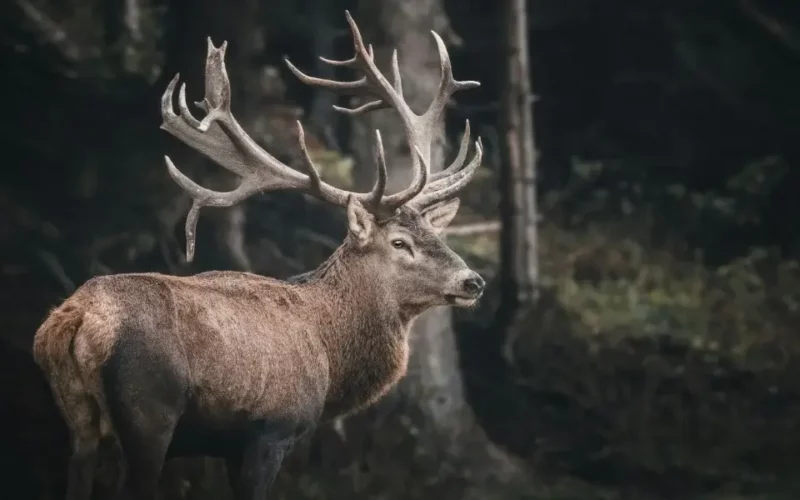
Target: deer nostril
[(474, 285)]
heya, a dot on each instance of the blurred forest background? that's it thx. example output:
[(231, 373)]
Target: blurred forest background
[(660, 360)]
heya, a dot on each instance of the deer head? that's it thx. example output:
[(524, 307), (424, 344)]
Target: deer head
[(395, 238), (405, 256)]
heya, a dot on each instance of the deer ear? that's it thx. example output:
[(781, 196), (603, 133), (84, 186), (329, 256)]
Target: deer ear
[(359, 221), (441, 214)]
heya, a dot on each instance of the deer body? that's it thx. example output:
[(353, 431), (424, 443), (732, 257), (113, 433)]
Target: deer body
[(245, 334), (237, 365)]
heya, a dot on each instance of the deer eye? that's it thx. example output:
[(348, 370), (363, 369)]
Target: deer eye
[(399, 244)]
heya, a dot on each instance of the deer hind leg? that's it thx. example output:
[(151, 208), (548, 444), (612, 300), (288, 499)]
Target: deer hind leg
[(146, 395), (110, 470), (81, 414), (89, 426)]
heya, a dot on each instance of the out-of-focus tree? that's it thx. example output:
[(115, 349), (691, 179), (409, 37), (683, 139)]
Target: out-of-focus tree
[(519, 270)]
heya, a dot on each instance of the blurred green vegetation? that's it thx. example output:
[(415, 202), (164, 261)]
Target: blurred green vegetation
[(647, 359), (635, 275)]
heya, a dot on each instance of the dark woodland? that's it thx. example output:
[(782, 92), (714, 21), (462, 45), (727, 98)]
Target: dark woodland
[(634, 218)]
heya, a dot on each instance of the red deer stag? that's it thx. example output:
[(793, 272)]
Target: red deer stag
[(240, 366)]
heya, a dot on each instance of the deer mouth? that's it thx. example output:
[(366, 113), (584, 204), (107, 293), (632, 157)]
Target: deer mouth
[(462, 300)]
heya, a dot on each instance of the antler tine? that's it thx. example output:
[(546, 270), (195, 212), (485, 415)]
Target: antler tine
[(458, 162), (376, 104), (398, 79), (351, 86), (418, 183), (372, 82), (203, 197), (448, 85), (443, 184), (314, 180), (454, 183), (365, 61), (379, 189)]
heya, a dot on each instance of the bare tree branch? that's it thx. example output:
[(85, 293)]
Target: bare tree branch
[(775, 27), (56, 269), (474, 228), (50, 31)]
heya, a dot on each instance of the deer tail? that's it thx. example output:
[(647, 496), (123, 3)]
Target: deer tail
[(53, 347)]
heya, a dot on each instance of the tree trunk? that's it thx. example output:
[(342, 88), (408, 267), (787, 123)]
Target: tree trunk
[(433, 387), (519, 267), (322, 117), (390, 24)]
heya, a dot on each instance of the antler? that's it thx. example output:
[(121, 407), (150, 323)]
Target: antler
[(425, 189), (220, 137)]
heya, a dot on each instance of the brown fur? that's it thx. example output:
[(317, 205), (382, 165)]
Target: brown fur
[(53, 351), (70, 360), (251, 345)]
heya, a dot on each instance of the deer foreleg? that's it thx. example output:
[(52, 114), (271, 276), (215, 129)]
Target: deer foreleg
[(260, 462)]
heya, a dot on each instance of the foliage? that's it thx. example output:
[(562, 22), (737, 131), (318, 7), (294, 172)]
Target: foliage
[(618, 275), (610, 283), (648, 361)]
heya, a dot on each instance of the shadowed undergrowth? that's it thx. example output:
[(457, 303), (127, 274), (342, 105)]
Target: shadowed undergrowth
[(645, 370)]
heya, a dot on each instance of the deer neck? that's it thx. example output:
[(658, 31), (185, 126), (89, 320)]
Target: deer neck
[(364, 332)]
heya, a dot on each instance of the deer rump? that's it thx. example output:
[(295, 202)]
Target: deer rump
[(212, 354)]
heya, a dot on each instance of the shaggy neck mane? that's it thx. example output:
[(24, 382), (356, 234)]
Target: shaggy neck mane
[(361, 325)]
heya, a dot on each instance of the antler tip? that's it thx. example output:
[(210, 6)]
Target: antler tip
[(212, 48), (173, 170), (442, 48), (166, 98), (171, 86), (350, 21), (357, 40), (296, 71), (169, 163), (469, 84)]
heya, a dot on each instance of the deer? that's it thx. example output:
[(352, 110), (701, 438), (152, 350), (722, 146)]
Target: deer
[(241, 366)]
